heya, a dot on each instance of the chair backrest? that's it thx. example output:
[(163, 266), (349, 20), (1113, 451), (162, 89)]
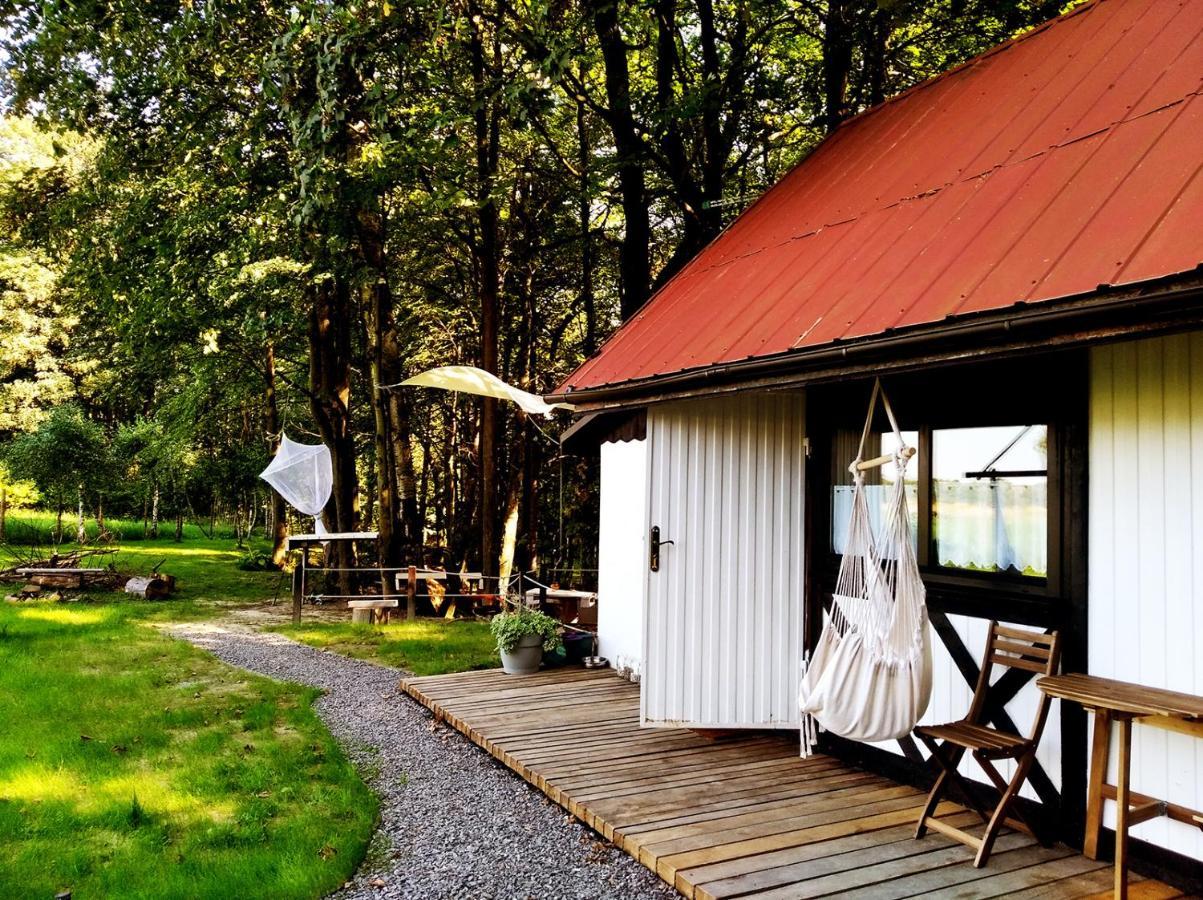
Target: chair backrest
[(1017, 648)]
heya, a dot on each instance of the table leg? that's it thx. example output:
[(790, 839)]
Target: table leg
[(1099, 753), (1123, 804), (298, 591)]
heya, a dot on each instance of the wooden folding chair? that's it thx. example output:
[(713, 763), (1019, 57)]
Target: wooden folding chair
[(1014, 648)]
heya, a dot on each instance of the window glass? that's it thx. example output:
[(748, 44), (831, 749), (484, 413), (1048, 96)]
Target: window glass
[(879, 482), (990, 499)]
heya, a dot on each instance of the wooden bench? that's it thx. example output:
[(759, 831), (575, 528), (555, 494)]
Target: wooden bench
[(1122, 703), (371, 612)]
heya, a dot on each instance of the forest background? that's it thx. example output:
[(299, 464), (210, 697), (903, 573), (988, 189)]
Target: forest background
[(224, 220)]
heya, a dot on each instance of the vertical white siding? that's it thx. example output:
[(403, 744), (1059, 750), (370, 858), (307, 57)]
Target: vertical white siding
[(724, 613), (622, 555), (1146, 555)]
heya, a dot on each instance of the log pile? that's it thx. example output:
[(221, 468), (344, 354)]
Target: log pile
[(47, 579)]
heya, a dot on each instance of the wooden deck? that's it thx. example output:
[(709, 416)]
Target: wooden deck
[(735, 816)]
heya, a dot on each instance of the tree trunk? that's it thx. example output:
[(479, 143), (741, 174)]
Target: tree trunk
[(330, 319), (837, 61), (154, 511), (634, 252), (81, 532), (3, 513), (486, 251), (271, 416), (585, 217), (412, 519), (385, 365), (179, 527), (714, 148)]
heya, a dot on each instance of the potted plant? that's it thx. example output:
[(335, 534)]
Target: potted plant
[(522, 636)]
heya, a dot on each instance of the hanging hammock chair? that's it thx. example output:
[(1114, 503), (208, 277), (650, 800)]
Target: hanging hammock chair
[(304, 476), (869, 678)]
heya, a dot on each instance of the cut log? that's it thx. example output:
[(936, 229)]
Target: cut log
[(152, 587)]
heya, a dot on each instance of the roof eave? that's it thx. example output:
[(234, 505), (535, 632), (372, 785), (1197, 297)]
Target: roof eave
[(1109, 313)]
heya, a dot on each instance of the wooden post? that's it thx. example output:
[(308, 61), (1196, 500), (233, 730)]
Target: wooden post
[(1098, 774), (411, 594), (298, 580), (1123, 807)]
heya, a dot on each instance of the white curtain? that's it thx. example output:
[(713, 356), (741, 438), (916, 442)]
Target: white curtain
[(992, 525)]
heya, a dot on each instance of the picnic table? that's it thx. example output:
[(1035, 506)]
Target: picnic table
[(303, 542), (437, 599), (572, 604), (1122, 703)]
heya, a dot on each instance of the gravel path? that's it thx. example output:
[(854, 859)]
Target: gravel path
[(454, 822)]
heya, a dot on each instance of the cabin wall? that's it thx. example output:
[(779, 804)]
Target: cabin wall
[(1146, 553), (622, 555)]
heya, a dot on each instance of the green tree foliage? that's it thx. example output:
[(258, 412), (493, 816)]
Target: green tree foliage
[(66, 457), (285, 208)]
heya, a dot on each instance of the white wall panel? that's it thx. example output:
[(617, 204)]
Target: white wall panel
[(622, 555), (1146, 553), (724, 613)]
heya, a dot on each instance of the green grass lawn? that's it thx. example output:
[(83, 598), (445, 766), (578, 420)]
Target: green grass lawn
[(424, 647), (134, 765)]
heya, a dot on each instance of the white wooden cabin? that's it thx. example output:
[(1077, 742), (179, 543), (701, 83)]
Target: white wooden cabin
[(1028, 273)]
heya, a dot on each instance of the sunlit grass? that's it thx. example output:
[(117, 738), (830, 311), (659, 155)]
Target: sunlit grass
[(424, 647), (205, 571), (133, 765)]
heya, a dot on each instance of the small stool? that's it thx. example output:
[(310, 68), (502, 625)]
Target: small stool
[(370, 612)]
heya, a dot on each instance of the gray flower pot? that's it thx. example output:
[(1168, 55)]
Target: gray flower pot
[(525, 658)]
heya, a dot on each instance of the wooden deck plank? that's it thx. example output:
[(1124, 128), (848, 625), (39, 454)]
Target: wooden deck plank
[(874, 876), (749, 875), (736, 815)]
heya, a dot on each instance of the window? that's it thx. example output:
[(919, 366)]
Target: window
[(879, 482), (977, 496), (989, 499)]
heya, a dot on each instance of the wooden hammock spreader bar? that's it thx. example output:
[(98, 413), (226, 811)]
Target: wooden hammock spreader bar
[(905, 453)]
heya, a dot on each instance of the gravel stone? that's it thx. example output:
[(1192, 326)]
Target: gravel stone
[(454, 822)]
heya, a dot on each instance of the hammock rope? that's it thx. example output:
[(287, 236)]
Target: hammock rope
[(869, 678)]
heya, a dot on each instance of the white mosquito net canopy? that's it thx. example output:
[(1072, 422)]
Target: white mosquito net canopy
[(303, 475)]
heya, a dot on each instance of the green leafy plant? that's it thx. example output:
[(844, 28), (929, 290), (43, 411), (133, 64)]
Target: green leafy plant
[(255, 561), (511, 627)]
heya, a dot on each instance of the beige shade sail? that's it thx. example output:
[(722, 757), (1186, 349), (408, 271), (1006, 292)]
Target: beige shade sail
[(471, 380)]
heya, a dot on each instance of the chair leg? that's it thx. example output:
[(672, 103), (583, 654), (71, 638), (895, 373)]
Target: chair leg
[(947, 768), (1024, 764)]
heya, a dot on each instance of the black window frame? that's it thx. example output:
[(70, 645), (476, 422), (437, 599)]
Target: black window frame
[(1045, 390)]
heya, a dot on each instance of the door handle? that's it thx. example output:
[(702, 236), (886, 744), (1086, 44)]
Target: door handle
[(654, 545)]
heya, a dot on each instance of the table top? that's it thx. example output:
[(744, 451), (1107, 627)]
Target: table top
[(298, 539), (1122, 696), (438, 575), (562, 594)]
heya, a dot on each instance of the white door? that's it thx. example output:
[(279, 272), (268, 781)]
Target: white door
[(723, 623)]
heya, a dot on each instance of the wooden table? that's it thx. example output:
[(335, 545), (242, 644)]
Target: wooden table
[(303, 542), (569, 601), (1122, 703)]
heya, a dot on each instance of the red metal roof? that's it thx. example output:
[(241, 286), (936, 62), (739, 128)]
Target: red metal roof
[(1066, 159)]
